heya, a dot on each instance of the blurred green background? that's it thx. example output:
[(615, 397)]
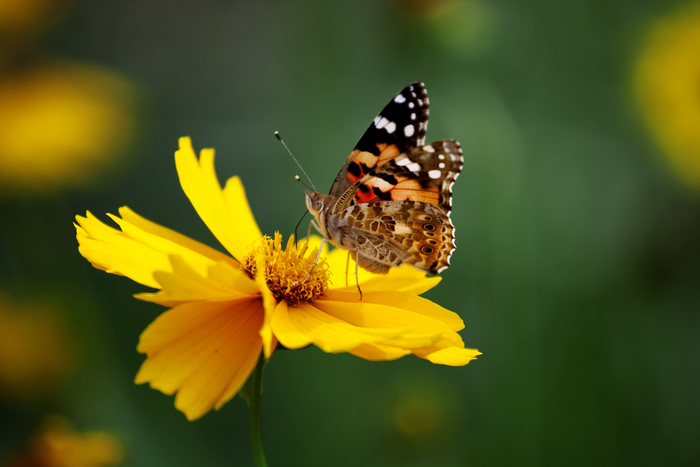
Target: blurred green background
[(577, 271)]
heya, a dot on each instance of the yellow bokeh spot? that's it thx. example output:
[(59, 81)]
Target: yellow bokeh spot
[(667, 87), (58, 445), (418, 417), (27, 17), (35, 354), (59, 123)]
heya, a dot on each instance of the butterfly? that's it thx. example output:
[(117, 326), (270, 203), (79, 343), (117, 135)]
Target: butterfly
[(390, 203)]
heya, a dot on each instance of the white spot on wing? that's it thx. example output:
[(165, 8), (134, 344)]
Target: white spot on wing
[(381, 122), (409, 130), (430, 148), (413, 116), (411, 105), (413, 166), (434, 174), (400, 99), (403, 161), (390, 127), (441, 165)]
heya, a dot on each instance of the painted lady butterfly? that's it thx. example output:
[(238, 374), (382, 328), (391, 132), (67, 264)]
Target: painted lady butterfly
[(390, 203)]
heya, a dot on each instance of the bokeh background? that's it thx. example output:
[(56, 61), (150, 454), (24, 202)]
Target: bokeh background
[(577, 272)]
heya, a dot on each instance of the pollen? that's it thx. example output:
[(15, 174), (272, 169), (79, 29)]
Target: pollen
[(290, 273)]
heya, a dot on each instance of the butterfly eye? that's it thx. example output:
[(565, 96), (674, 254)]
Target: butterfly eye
[(318, 205)]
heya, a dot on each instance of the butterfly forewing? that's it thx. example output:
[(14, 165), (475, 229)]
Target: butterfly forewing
[(424, 174), (398, 128)]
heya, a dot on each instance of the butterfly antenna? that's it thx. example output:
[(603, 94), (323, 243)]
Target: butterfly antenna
[(298, 224), (277, 135)]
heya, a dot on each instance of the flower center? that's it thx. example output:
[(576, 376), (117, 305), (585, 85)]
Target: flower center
[(289, 274)]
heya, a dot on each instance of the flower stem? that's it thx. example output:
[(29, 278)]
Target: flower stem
[(254, 410)]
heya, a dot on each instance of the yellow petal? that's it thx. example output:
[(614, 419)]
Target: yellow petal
[(178, 240), (453, 356), (403, 279), (269, 305), (327, 332), (405, 303), (286, 330), (112, 251), (226, 213), (203, 351), (376, 310), (140, 248), (222, 282), (342, 269), (378, 352)]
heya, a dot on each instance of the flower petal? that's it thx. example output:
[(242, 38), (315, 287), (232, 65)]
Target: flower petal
[(286, 330), (222, 282), (203, 351), (377, 311), (325, 331), (404, 279), (378, 352), (269, 304), (130, 218), (405, 302), (453, 356), (112, 251), (226, 212), (140, 248)]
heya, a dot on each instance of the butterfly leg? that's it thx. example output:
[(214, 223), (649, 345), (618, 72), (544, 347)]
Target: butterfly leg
[(357, 277), (347, 267), (315, 225), (318, 256)]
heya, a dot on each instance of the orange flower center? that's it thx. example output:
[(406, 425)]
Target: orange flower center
[(290, 273)]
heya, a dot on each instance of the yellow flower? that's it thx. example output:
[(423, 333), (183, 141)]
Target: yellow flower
[(224, 312), (58, 445), (60, 122), (666, 77)]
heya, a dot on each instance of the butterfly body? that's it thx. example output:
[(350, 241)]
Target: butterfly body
[(390, 203)]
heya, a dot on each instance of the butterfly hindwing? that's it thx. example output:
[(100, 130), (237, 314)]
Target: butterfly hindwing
[(390, 233), (399, 128)]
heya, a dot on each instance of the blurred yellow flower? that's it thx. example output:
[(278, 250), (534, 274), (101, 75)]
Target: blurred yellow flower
[(224, 313), (20, 18), (35, 353), (58, 445), (667, 86), (59, 122)]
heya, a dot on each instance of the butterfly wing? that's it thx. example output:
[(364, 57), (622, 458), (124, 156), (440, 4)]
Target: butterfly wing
[(424, 174), (392, 198), (399, 128), (391, 233)]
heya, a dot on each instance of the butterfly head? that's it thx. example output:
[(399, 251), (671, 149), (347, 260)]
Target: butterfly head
[(315, 202)]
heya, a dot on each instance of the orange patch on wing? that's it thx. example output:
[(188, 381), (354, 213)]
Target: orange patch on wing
[(387, 153), (411, 190), (405, 189), (361, 158), (362, 197)]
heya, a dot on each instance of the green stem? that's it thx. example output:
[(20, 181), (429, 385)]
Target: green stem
[(254, 409)]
